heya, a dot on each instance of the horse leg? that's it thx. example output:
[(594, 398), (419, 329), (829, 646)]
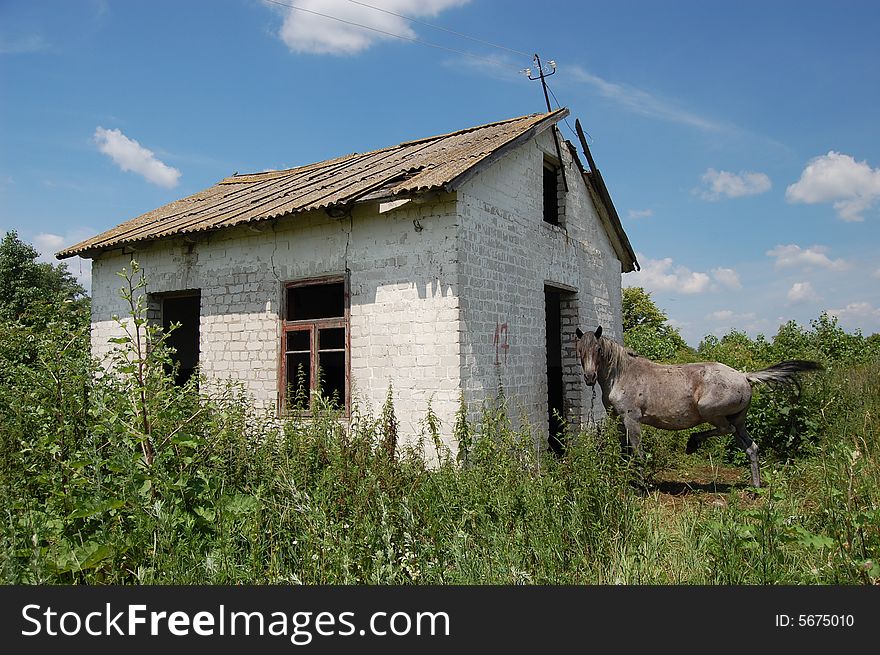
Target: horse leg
[(633, 431), (624, 441), (695, 440), (747, 444)]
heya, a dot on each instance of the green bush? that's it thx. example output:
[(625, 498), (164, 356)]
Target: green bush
[(646, 329)]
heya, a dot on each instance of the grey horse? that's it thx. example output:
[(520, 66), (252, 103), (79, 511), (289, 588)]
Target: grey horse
[(677, 397)]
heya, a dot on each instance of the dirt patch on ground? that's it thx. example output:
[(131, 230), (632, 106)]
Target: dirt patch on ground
[(701, 484)]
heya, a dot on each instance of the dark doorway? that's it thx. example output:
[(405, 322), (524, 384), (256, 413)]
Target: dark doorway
[(185, 310), (555, 387)]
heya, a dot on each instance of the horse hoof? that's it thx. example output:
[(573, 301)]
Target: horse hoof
[(691, 448), (640, 487)]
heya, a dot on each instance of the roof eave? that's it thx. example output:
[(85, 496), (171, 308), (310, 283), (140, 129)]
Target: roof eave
[(611, 221), (605, 207)]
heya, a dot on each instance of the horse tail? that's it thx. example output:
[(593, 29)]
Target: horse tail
[(784, 373)]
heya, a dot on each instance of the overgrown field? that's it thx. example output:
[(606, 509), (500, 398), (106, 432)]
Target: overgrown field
[(123, 478), (229, 497)]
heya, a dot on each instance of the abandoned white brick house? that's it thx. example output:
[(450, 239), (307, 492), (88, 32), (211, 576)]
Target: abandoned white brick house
[(441, 266)]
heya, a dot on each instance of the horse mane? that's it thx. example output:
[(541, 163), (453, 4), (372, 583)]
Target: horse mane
[(616, 356)]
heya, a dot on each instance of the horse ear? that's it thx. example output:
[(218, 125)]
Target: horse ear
[(578, 333), (598, 332)]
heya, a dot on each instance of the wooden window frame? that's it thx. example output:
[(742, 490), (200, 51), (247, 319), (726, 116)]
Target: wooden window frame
[(312, 326)]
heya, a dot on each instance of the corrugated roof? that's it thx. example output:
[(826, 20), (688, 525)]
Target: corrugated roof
[(409, 168)]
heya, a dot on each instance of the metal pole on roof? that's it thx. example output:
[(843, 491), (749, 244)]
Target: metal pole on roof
[(541, 76)]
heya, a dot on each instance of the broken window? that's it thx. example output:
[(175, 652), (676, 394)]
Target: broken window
[(179, 312), (551, 191), (314, 342)]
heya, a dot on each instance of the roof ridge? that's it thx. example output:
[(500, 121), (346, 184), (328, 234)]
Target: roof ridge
[(473, 129), (239, 178)]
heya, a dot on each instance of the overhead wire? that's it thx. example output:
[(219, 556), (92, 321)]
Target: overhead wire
[(420, 41), (558, 104), (440, 27), (380, 31)]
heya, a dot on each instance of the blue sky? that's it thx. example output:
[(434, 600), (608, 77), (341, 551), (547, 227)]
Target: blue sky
[(739, 141)]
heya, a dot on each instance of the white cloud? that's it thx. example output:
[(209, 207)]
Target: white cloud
[(856, 310), (662, 275), (640, 213), (853, 187), (718, 184), (730, 315), (727, 277), (496, 66), (23, 45), (100, 7), (306, 31), (860, 314), (802, 292), (47, 244), (792, 255), (720, 315), (641, 102), (725, 320), (130, 155), (876, 274)]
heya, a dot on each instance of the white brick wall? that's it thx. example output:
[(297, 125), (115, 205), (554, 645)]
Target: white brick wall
[(404, 304), (508, 253), (430, 286)]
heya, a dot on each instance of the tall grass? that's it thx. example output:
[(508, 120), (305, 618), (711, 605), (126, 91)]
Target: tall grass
[(229, 495), (234, 497)]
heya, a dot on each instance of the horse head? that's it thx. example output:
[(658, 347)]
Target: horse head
[(589, 350)]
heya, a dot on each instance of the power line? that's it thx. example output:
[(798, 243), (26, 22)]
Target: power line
[(392, 34), (558, 104), (402, 37), (439, 27)]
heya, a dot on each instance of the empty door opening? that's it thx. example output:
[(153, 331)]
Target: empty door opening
[(185, 310), (555, 387)]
